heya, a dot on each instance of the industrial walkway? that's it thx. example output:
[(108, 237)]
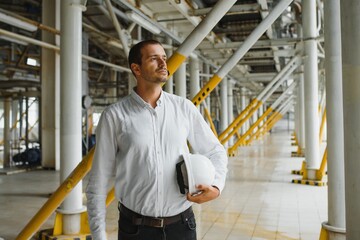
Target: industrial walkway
[(258, 202)]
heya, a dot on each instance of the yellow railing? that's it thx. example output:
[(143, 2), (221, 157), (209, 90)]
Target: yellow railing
[(57, 197)]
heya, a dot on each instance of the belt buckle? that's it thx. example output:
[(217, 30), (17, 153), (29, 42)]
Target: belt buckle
[(158, 222)]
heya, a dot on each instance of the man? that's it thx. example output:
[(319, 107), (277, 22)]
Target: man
[(140, 139)]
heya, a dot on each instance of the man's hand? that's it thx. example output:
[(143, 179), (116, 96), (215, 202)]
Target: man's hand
[(206, 193)]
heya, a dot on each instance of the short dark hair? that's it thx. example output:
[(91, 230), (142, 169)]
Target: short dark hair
[(135, 51)]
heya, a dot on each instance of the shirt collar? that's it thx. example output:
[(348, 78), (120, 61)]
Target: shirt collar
[(141, 101)]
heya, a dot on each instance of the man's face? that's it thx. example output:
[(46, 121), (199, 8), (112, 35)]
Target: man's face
[(153, 64)]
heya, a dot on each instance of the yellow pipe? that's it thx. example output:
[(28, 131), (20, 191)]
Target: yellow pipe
[(237, 119), (206, 90), (275, 120), (264, 127), (174, 62), (259, 103), (260, 130), (243, 137), (208, 116), (57, 197)]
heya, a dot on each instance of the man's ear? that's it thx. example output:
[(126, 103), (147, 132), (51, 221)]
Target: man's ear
[(135, 68)]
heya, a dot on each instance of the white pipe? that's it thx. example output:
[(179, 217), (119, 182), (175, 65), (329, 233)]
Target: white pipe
[(224, 106), (170, 82), (117, 26), (253, 37), (230, 104), (312, 151), (350, 33), (243, 106), (206, 74), (284, 95), (70, 123), (194, 76), (301, 100), (283, 78), (284, 70), (56, 48), (6, 156), (334, 118), (180, 80), (205, 26), (50, 94)]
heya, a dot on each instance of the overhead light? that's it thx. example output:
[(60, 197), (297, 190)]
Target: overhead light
[(143, 22), (17, 22), (32, 62), (13, 40)]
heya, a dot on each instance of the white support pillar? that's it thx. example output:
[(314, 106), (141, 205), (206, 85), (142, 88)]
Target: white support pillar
[(206, 68), (335, 125), (312, 151), (260, 112), (350, 37), (14, 117), (243, 106), (224, 106), (113, 91), (50, 85), (301, 100), (169, 86), (70, 123), (230, 107), (85, 64), (194, 76), (180, 81), (7, 106)]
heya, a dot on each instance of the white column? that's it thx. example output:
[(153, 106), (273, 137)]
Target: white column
[(169, 86), (131, 82), (50, 85), (206, 68), (14, 117), (194, 76), (301, 100), (350, 37), (70, 123), (312, 151), (243, 106), (113, 91), (254, 118), (230, 107), (334, 116), (7, 106), (180, 81), (224, 106)]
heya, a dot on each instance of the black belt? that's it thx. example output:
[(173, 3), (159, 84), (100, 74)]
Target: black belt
[(138, 219)]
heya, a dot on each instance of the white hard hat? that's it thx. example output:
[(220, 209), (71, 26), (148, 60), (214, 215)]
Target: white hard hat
[(193, 170)]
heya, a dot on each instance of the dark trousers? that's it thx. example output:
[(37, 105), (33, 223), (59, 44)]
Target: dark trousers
[(184, 229)]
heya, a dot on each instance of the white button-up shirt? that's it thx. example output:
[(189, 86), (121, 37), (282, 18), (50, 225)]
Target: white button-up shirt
[(141, 145)]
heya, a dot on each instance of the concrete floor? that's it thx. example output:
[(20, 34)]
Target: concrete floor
[(258, 202)]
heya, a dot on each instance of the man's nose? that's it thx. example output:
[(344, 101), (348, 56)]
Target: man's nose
[(162, 62)]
